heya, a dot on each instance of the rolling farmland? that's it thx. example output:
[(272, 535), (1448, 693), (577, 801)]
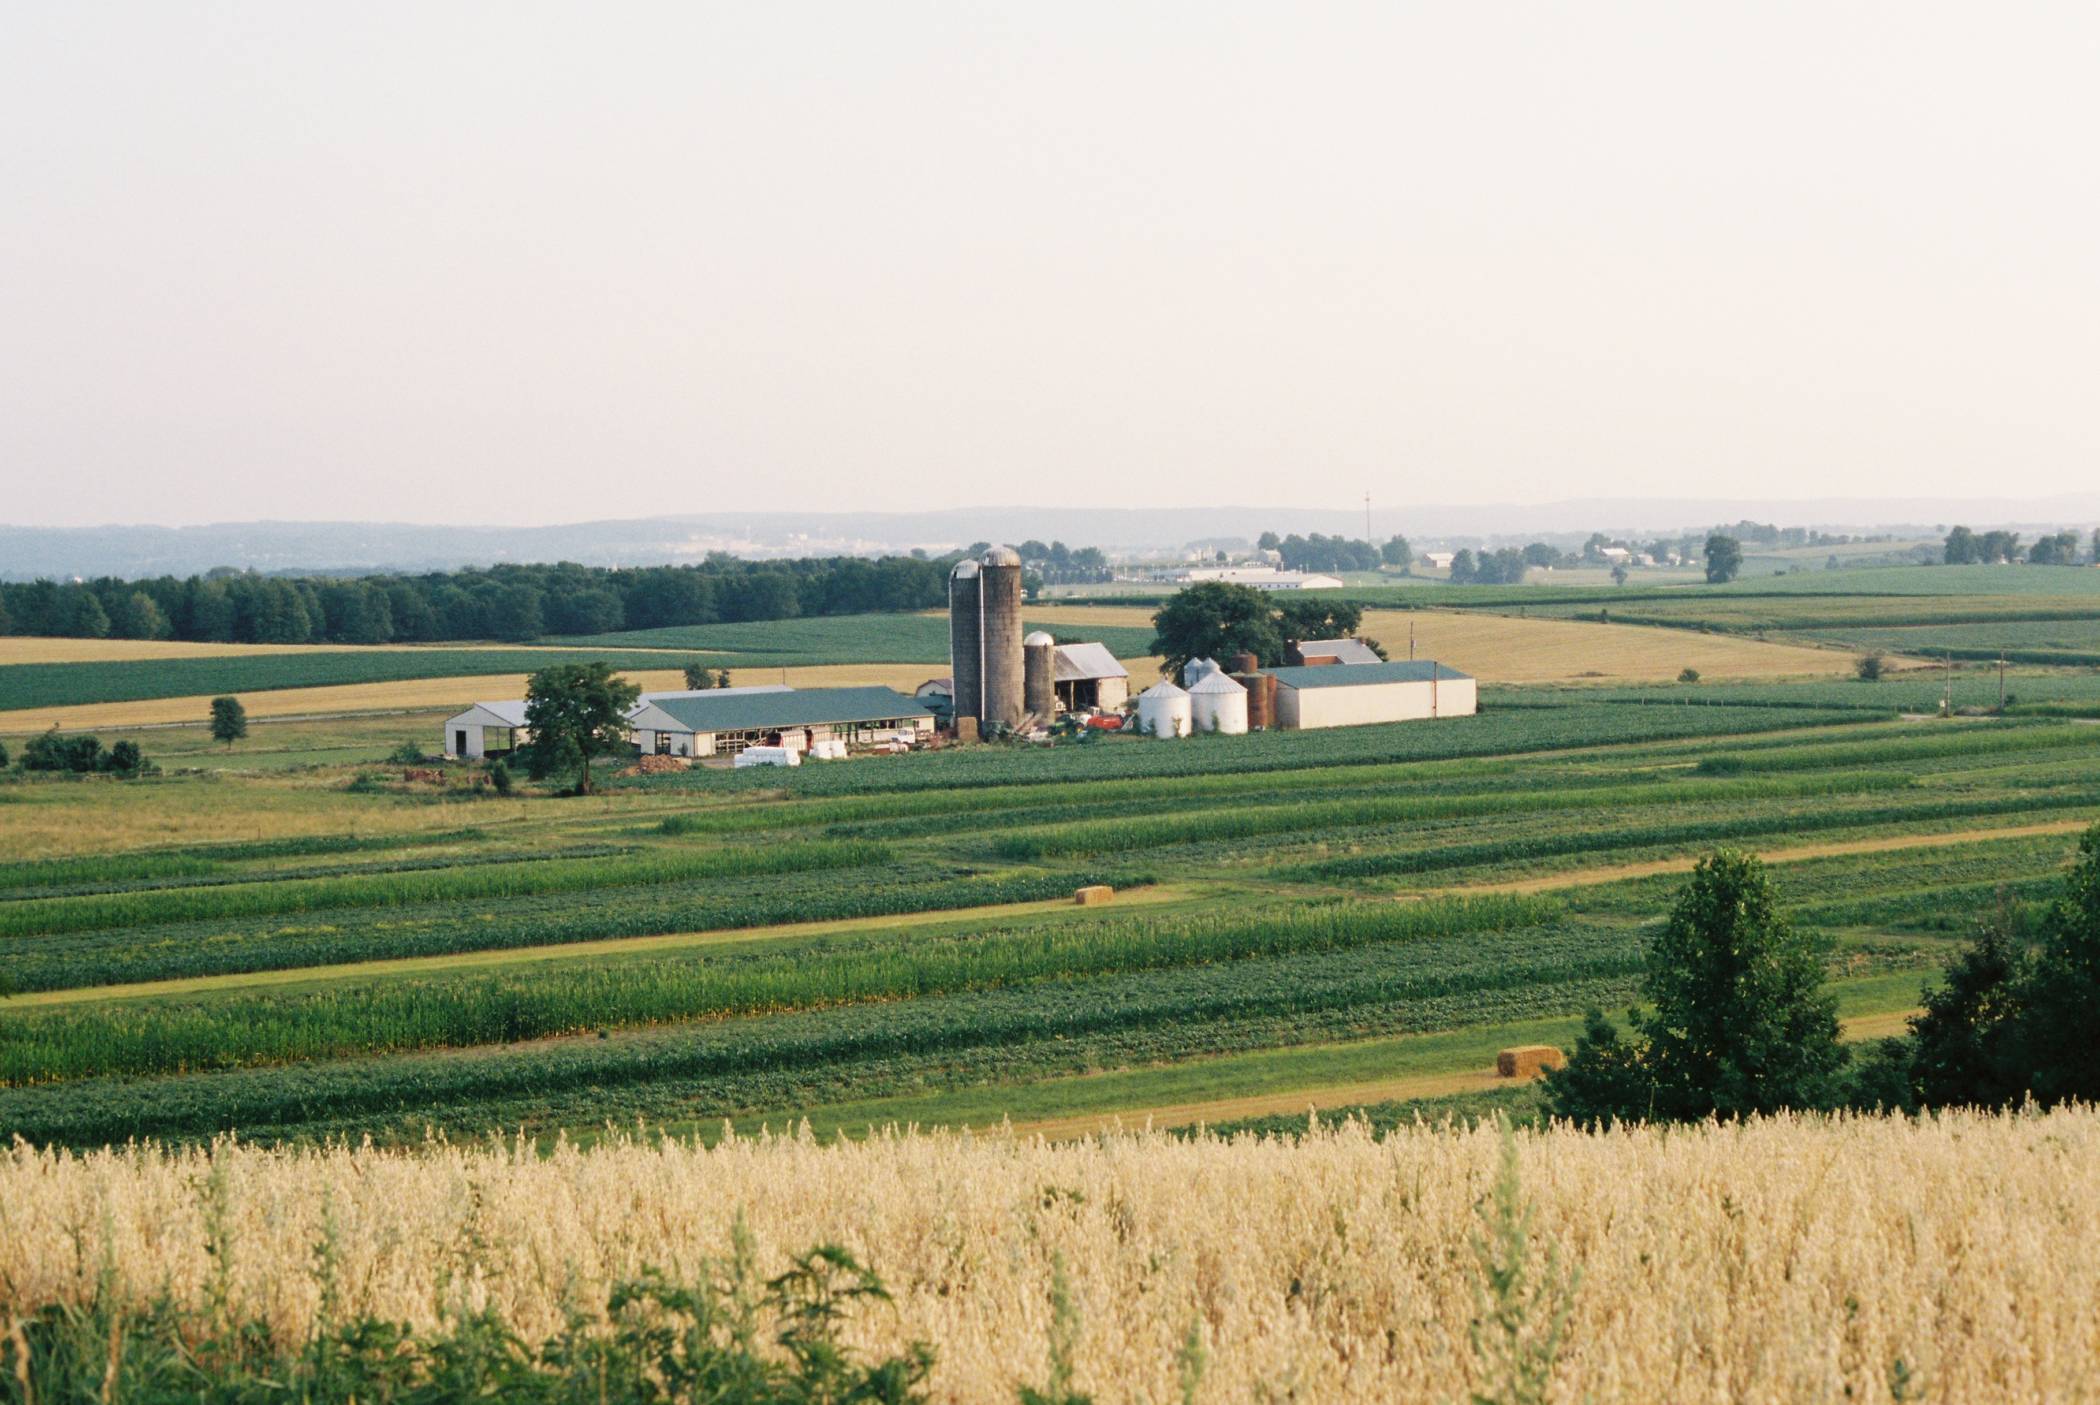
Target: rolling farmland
[(292, 941)]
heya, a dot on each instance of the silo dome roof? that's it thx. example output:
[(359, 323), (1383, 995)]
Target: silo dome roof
[(1038, 637), (1002, 556), (965, 570), (1215, 683)]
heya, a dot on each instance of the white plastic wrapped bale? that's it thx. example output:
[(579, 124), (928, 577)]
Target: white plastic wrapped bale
[(768, 756), (1163, 711), (828, 749), (1218, 704)]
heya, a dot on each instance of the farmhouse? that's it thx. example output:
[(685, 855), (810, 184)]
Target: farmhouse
[(1325, 651), (486, 729), (1328, 696), (723, 721)]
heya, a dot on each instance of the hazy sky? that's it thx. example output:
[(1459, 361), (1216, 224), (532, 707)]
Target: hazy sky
[(517, 263)]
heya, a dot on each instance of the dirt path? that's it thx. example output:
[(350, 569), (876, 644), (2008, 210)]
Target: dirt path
[(1589, 877), (1300, 1101)]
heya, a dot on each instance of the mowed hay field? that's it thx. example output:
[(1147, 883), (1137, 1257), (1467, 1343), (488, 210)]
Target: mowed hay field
[(1515, 649), (1948, 1259)]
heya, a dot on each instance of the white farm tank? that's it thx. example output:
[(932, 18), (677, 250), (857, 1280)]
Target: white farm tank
[(1217, 704), (1163, 711)]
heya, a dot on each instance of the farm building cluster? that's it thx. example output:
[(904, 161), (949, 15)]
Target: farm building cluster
[(1004, 682)]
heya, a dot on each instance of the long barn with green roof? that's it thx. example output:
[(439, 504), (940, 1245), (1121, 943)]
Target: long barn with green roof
[(720, 724)]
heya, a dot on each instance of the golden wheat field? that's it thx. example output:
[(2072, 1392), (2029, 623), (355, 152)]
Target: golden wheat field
[(1862, 1259)]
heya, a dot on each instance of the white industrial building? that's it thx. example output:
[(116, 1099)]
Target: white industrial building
[(723, 721), (1258, 577), (1324, 695), (486, 729)]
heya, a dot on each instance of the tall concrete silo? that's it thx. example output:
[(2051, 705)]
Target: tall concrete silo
[(1005, 682), (966, 638), (1039, 670)]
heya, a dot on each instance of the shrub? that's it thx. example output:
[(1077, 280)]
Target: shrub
[(3, 756), (499, 776), (407, 754), (1868, 668), (1689, 675)]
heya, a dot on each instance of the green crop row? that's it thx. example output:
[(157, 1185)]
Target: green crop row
[(268, 943), (223, 877), (396, 1015), (718, 1068), (1963, 743), (1563, 721), (1106, 836), (1703, 831), (51, 916)]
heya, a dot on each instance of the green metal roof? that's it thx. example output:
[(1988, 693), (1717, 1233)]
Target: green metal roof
[(1346, 675), (802, 707)]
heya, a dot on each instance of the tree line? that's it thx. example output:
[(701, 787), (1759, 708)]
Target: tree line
[(507, 602), (1965, 547)]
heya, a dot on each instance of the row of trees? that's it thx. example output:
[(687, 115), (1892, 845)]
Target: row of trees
[(502, 602), (1319, 552), (1967, 548), (1737, 1021), (1217, 619)]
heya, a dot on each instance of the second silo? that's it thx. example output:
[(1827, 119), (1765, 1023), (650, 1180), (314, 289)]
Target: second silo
[(1039, 673), (1005, 682), (966, 638)]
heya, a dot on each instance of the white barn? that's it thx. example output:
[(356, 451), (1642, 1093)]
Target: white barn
[(1327, 695), (723, 721), (486, 729)]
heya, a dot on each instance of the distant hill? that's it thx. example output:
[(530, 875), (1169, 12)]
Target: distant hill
[(29, 552)]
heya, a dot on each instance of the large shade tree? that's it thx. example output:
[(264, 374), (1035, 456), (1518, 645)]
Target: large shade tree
[(574, 712)]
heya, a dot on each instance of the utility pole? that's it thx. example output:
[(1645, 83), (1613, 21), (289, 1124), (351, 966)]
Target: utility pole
[(2001, 682), (1947, 689), (1410, 641)]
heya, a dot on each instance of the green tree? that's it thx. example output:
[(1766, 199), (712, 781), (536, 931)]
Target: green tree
[(85, 617), (229, 721), (1960, 548), (3, 757), (1314, 615), (698, 676), (2063, 991), (1724, 559), (576, 709), (1215, 619), (1396, 552), (722, 678), (1737, 1022), (1869, 667), (1965, 1041)]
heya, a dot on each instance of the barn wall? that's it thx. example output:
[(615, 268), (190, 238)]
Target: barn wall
[(1364, 703)]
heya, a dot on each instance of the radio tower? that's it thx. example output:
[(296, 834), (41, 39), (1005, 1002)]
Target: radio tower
[(1367, 516)]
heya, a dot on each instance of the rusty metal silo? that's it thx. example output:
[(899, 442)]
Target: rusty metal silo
[(1004, 678), (966, 638), (1039, 674)]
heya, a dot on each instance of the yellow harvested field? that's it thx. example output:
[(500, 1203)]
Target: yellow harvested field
[(39, 649), (1772, 1260), (1514, 649)]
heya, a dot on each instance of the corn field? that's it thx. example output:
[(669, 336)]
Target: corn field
[(1954, 1259)]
